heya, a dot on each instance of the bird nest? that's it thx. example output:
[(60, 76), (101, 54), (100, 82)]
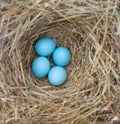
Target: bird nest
[(91, 93)]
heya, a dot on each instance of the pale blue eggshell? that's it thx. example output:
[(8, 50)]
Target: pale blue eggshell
[(40, 67), (57, 76), (45, 46), (61, 56)]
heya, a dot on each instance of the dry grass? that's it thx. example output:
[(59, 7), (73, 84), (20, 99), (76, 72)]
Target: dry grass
[(91, 94)]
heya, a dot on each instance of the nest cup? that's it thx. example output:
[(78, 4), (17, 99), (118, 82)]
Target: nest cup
[(92, 87)]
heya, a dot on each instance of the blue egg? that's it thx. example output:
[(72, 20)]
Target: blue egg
[(40, 67), (57, 76), (61, 56), (45, 46)]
